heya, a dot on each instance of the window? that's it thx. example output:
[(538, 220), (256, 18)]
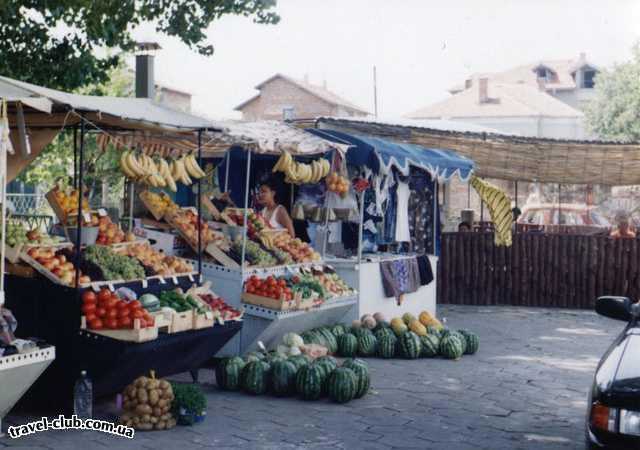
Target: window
[(588, 79), (288, 113)]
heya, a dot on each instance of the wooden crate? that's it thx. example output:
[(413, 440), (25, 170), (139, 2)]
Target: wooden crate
[(12, 254), (162, 320), (135, 334), (157, 213), (20, 270), (181, 321), (209, 206), (267, 302), (221, 256), (56, 206)]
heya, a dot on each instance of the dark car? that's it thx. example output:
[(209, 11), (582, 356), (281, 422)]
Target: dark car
[(613, 412)]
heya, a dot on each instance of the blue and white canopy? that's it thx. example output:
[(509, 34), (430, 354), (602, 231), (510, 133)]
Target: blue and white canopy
[(381, 155)]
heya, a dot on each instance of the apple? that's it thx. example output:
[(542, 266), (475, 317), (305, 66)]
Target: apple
[(67, 266), (57, 271), (62, 259)]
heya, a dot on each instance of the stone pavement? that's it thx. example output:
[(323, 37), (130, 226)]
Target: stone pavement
[(525, 389)]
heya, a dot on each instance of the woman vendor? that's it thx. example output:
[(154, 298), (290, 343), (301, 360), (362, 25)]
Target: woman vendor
[(275, 214)]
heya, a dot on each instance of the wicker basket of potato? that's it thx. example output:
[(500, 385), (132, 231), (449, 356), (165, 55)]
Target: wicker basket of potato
[(147, 404)]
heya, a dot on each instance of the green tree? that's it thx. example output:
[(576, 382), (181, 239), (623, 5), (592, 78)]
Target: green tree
[(53, 43), (615, 111)]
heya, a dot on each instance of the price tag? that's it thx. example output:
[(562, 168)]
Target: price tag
[(111, 288), (95, 287), (174, 279), (191, 278), (102, 212), (144, 284), (162, 280), (86, 216)]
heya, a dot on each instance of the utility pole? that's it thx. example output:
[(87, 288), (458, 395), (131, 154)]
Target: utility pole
[(375, 93)]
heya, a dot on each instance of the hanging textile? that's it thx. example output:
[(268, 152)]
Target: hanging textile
[(402, 213), (421, 212), (499, 206)]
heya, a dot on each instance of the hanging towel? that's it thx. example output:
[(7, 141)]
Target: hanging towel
[(499, 206), (400, 276), (424, 268)]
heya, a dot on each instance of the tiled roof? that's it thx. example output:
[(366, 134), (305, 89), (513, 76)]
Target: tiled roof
[(505, 100), (317, 91)]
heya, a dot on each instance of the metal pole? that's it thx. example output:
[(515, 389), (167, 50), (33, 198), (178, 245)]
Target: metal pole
[(559, 204), (199, 203), (435, 217), (75, 156), (361, 227), (375, 92), (80, 197), (246, 211), (226, 171), (516, 193), (132, 188), (326, 212), (469, 196), (3, 226)]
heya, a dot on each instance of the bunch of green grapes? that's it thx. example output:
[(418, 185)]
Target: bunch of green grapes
[(16, 234)]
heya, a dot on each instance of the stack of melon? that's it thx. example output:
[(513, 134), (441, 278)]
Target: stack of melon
[(260, 373), (403, 337)]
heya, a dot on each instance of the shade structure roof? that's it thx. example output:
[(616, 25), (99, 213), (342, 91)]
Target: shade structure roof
[(517, 158), (381, 155)]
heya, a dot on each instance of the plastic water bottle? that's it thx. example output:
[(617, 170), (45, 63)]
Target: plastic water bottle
[(83, 397)]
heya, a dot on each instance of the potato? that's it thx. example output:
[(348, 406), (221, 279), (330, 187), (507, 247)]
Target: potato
[(161, 403), (124, 417), (165, 417), (157, 412), (129, 423), (143, 409), (161, 425), (126, 405), (154, 396), (165, 409), (153, 420), (145, 418), (171, 423), (130, 391), (164, 384), (135, 421), (153, 384), (142, 395), (167, 394), (140, 382), (145, 426)]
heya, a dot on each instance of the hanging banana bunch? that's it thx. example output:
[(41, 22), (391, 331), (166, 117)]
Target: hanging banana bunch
[(499, 206), (301, 173), (159, 173)]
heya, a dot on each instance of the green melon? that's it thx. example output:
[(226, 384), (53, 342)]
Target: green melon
[(360, 332), (409, 345), (329, 361), (283, 378), (341, 385), (228, 372), (337, 330), (430, 345), (330, 340), (309, 380), (361, 370), (367, 345), (255, 377), (473, 341), (462, 339), (299, 360), (347, 345), (384, 332), (387, 346), (451, 347)]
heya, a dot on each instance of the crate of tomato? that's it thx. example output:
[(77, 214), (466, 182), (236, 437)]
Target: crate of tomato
[(107, 314), (271, 292)]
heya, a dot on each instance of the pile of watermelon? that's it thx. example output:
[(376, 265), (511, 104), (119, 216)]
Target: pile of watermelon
[(273, 373), (394, 341)]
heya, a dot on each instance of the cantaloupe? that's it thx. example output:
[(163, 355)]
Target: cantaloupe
[(398, 326), (369, 322), (379, 317), (418, 328), (408, 318)]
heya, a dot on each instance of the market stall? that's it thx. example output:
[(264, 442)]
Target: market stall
[(110, 302), (392, 257), (243, 262)]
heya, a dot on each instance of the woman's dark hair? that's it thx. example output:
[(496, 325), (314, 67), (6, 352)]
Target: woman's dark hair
[(271, 183)]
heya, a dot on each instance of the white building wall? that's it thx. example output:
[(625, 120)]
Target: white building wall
[(555, 128)]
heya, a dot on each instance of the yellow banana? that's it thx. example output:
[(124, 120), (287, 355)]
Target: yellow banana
[(123, 165), (134, 165), (193, 168)]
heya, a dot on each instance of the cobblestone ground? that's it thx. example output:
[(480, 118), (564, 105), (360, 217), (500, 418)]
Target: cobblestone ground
[(525, 389)]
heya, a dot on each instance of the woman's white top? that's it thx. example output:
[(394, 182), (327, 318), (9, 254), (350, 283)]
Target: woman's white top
[(272, 220)]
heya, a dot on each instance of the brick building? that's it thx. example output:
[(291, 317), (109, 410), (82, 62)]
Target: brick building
[(283, 98)]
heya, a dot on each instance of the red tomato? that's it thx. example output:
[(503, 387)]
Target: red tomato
[(90, 317), (112, 313), (88, 308), (89, 297), (95, 324), (121, 304), (143, 323), (110, 304), (137, 314), (125, 322), (112, 324), (122, 312), (135, 304), (101, 312), (282, 282), (104, 295)]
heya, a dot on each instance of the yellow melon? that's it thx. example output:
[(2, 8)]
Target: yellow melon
[(417, 328)]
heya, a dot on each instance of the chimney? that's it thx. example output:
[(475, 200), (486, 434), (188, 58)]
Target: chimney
[(145, 80), (483, 90), (468, 83)]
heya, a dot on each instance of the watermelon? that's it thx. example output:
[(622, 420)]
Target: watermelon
[(347, 344), (387, 346), (430, 345), (367, 345), (228, 373), (283, 378), (434, 330), (463, 340), (341, 385), (309, 380), (329, 361), (337, 330), (409, 345), (272, 357), (359, 332), (321, 336), (255, 377), (451, 347), (444, 332), (384, 332), (361, 370), (299, 361), (473, 341), (382, 325)]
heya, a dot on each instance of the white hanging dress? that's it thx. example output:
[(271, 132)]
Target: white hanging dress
[(402, 213)]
